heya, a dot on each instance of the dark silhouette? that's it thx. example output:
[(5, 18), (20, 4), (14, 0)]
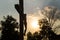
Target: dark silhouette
[(51, 14), (36, 36), (22, 18), (29, 36), (8, 29), (46, 32)]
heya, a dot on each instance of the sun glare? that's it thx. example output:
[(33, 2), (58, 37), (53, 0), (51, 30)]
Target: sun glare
[(34, 23)]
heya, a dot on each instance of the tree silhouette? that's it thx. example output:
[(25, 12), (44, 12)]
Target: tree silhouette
[(36, 36), (29, 36), (8, 28), (46, 32), (52, 14)]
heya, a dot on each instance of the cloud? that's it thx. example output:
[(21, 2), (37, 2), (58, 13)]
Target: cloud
[(55, 3)]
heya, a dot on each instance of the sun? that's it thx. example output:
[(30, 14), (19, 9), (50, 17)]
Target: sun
[(34, 23)]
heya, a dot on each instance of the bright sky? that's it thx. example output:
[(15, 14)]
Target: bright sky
[(31, 7)]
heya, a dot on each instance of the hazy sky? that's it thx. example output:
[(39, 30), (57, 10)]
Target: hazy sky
[(30, 6)]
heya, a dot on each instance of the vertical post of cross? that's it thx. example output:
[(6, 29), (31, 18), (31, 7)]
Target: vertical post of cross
[(22, 19), (19, 8)]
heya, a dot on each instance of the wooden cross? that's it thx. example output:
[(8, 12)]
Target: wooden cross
[(22, 18)]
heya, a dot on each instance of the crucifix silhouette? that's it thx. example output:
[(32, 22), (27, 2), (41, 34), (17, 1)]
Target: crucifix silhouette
[(22, 18)]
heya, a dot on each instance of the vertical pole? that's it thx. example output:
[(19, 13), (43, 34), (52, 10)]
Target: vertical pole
[(21, 19)]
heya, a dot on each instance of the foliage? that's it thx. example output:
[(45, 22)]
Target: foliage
[(29, 36), (52, 14), (8, 29), (45, 33)]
